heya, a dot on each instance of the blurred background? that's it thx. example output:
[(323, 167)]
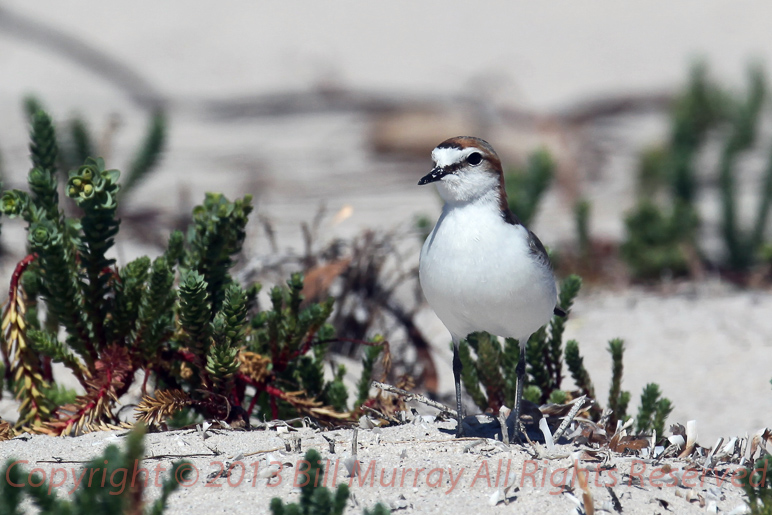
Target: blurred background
[(637, 137)]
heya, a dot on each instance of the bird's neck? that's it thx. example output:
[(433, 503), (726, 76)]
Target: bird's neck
[(490, 200)]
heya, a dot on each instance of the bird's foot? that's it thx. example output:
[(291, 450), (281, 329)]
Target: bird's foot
[(460, 433), (517, 433), (516, 437)]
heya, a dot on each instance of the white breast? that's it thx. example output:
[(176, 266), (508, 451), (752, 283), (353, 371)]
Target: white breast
[(478, 274)]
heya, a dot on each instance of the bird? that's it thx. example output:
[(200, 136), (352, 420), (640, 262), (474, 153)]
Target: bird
[(480, 268)]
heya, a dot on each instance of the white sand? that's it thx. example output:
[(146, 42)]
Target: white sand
[(421, 458)]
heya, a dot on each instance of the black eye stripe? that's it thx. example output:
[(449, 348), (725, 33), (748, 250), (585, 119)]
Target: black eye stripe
[(452, 168)]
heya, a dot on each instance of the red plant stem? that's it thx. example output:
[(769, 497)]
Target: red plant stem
[(252, 405), (13, 302), (144, 382), (251, 382), (237, 393), (45, 365), (93, 402), (187, 356), (12, 294), (272, 391), (306, 344), (20, 268), (274, 408)]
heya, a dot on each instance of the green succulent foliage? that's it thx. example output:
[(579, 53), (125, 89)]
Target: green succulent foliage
[(155, 316), (495, 367), (582, 210), (81, 147), (47, 344), (228, 335), (43, 147), (94, 189), (221, 364), (696, 111), (57, 395), (368, 364), (617, 399), (117, 496), (558, 397), (31, 105), (469, 376), (186, 417), (44, 199), (473, 373), (742, 248), (295, 337), (659, 233), (337, 393), (533, 393), (211, 307), (30, 281), (378, 509), (136, 306), (575, 364), (128, 290), (652, 170), (657, 239), (758, 486), (194, 311), (309, 370), (216, 236), (75, 144), (316, 499), (536, 350), (282, 330), (569, 289), (176, 248), (204, 322), (544, 351), (60, 285), (42, 184), (15, 203), (526, 186), (234, 315), (488, 350), (149, 153), (653, 411)]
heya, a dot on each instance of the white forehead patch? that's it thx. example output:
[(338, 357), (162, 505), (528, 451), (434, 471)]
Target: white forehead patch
[(449, 156)]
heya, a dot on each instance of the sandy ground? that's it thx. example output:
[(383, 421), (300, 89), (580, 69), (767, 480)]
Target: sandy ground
[(416, 468), (707, 345)]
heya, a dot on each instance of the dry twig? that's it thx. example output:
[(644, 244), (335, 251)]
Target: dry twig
[(410, 396)]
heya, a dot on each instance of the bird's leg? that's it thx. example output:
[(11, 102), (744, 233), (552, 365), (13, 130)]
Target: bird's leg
[(519, 394), (457, 377)]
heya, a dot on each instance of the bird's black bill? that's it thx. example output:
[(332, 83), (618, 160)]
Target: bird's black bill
[(434, 176)]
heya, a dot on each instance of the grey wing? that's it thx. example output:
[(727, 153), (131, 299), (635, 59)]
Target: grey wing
[(538, 250)]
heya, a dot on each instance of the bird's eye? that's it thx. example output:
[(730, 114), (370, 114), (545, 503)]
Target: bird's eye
[(475, 158)]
